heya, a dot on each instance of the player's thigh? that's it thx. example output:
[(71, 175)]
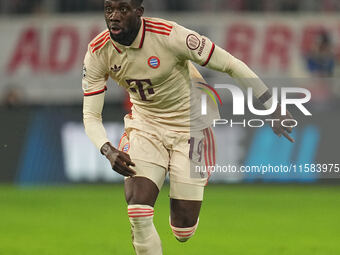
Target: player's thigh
[(144, 187), (140, 191), (143, 145)]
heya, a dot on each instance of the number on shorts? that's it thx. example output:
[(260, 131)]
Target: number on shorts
[(191, 141)]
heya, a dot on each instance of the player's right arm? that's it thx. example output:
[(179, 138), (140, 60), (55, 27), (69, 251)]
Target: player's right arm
[(94, 87)]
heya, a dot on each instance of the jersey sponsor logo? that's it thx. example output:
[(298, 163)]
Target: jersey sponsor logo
[(141, 89), (193, 42), (154, 62)]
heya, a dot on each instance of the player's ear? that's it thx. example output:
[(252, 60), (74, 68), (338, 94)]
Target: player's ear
[(140, 11)]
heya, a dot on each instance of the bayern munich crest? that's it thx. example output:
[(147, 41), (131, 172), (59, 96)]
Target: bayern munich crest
[(154, 62), (126, 147)]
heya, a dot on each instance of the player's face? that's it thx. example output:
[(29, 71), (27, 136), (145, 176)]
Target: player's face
[(122, 18)]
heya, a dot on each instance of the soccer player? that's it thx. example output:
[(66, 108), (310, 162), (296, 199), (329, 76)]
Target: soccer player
[(165, 133)]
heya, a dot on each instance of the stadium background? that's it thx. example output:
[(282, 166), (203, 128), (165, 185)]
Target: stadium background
[(58, 194)]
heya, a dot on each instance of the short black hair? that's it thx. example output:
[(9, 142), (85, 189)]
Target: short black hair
[(137, 2)]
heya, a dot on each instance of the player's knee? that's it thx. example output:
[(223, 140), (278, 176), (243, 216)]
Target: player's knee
[(183, 234)]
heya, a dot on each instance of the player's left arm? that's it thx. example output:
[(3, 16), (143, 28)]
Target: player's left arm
[(189, 45)]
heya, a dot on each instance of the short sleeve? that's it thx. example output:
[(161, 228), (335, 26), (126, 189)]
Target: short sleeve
[(189, 45), (94, 75)]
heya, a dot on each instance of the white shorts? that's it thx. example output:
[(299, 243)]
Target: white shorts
[(186, 156)]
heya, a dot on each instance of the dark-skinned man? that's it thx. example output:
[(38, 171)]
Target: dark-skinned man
[(165, 133)]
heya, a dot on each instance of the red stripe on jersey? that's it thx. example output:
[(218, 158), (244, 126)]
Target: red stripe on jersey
[(95, 92), (100, 39), (160, 28), (157, 32), (102, 44), (159, 23), (205, 149), (210, 54), (143, 36), (210, 154), (117, 49), (121, 139), (205, 155), (213, 146), (209, 147)]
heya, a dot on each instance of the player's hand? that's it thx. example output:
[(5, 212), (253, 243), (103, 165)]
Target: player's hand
[(280, 130), (120, 161)]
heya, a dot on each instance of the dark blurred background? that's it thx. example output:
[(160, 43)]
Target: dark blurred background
[(62, 6)]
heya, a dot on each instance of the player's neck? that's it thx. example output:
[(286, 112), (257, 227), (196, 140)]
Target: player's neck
[(130, 38)]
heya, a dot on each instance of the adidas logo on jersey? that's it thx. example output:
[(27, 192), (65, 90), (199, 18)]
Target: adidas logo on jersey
[(116, 68)]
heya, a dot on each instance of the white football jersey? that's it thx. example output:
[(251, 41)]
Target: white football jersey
[(156, 71)]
